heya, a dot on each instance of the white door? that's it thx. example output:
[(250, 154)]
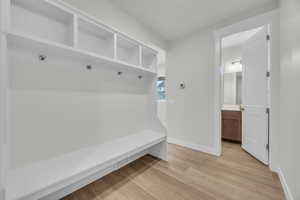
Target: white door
[(255, 96)]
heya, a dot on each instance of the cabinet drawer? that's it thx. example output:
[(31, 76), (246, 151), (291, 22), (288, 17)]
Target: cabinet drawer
[(231, 114)]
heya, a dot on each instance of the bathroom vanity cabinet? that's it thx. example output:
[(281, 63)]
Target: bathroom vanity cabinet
[(232, 125)]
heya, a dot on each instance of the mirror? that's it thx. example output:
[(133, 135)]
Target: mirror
[(232, 86)]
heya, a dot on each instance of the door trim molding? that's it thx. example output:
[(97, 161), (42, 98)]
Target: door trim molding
[(271, 19)]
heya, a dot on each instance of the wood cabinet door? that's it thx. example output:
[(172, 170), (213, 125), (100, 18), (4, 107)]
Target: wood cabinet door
[(231, 125)]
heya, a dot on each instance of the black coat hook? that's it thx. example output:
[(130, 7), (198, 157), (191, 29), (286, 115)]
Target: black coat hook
[(42, 57), (182, 85), (89, 67)]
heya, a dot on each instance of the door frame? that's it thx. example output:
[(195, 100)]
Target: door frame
[(271, 20)]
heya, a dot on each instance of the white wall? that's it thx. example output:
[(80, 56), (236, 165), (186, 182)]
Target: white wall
[(290, 95), (161, 70), (2, 117), (190, 112), (162, 56), (229, 55), (3, 84), (109, 14)]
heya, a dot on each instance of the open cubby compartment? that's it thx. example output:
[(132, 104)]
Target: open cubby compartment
[(40, 19), (93, 38), (149, 59), (128, 51)]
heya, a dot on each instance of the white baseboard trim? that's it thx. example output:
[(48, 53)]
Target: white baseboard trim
[(286, 189), (194, 146)]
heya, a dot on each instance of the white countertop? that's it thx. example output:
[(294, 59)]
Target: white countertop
[(231, 107)]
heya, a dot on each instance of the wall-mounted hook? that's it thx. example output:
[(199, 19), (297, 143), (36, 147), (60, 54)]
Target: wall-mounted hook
[(182, 85), (140, 76), (89, 67), (42, 57), (120, 73)]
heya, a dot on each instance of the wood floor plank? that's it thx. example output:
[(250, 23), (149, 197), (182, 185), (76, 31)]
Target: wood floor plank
[(85, 193), (174, 185), (106, 191), (191, 181), (188, 175), (127, 188)]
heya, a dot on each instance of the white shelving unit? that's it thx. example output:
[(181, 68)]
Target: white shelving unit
[(58, 25), (128, 51), (42, 20), (95, 39), (149, 58), (77, 100)]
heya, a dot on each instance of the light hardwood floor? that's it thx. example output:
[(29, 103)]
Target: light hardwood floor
[(189, 175)]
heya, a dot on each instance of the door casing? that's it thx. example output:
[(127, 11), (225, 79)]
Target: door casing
[(271, 20)]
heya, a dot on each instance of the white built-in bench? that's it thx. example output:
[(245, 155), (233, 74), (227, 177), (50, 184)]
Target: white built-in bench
[(54, 178)]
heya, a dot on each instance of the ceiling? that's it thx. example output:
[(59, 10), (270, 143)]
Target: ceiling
[(238, 38), (173, 19)]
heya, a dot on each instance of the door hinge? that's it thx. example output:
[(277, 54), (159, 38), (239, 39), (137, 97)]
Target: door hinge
[(268, 110), (268, 74), (268, 147), (268, 37)]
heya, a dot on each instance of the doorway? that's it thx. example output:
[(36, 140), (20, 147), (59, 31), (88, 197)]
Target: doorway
[(245, 89)]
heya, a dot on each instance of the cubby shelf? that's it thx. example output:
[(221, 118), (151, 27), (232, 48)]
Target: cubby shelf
[(128, 51), (23, 41), (149, 58), (55, 27), (95, 39), (42, 19)]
